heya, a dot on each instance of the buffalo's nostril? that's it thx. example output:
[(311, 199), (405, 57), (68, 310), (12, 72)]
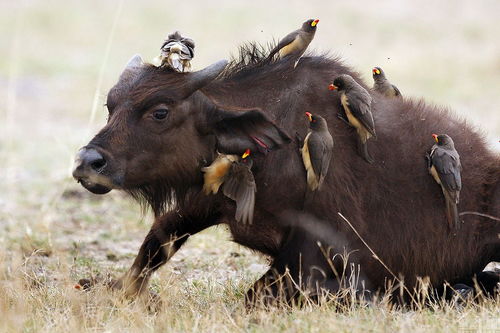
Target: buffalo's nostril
[(98, 164), (88, 159)]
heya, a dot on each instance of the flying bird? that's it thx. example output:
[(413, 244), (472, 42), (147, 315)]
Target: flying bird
[(444, 165), (295, 43), (357, 106), (317, 151), (177, 52), (234, 174), (382, 85)]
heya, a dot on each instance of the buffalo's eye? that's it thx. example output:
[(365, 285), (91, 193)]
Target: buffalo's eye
[(160, 114)]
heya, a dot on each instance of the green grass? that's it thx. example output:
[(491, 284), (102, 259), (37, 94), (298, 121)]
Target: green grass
[(52, 232)]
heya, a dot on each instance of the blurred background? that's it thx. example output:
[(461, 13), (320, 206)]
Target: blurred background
[(59, 58)]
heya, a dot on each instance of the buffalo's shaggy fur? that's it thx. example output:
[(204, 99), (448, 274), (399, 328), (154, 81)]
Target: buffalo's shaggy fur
[(394, 204)]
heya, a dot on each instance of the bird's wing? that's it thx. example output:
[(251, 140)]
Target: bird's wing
[(238, 131), (320, 153), (360, 107), (396, 90), (239, 185), (284, 42), (447, 164)]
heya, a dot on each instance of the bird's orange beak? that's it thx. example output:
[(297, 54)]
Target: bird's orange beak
[(435, 136), (376, 71), (246, 154), (314, 23), (309, 115), (332, 87)]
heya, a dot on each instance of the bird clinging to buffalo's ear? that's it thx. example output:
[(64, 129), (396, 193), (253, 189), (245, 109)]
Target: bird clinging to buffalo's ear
[(295, 43), (382, 85), (177, 52), (317, 151), (235, 175), (357, 106), (444, 165)]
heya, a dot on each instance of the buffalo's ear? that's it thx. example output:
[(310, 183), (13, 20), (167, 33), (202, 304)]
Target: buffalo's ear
[(237, 131)]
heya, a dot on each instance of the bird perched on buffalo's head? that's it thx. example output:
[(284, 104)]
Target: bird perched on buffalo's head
[(357, 106), (295, 43), (177, 52), (317, 151), (382, 85), (444, 165), (234, 174)]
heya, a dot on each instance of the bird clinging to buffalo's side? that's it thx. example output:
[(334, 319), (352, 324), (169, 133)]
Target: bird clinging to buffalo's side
[(444, 165), (383, 85), (177, 52), (295, 43), (235, 176), (357, 106), (317, 151)]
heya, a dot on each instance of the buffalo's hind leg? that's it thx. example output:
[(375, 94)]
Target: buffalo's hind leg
[(304, 269), (166, 236)]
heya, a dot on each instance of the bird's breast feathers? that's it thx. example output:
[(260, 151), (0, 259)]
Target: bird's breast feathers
[(435, 174), (312, 178)]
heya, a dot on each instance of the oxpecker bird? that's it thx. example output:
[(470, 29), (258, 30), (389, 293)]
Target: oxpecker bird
[(357, 106), (234, 174), (317, 151), (295, 43), (444, 165), (382, 85), (177, 52)]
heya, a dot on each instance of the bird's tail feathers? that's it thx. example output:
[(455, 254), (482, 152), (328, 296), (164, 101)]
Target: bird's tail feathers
[(363, 150), (452, 211)]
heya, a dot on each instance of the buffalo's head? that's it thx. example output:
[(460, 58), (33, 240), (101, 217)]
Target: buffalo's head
[(162, 129)]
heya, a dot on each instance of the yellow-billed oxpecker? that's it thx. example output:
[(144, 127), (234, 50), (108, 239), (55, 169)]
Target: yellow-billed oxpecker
[(317, 151), (382, 85), (444, 165), (234, 174), (357, 106), (295, 43), (177, 52)]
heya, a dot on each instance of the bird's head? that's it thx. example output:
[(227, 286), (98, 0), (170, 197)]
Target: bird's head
[(310, 25), (378, 73), (341, 82), (316, 122), (443, 140)]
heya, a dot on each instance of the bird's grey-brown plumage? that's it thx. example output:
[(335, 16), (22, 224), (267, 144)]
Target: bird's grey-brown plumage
[(317, 152), (235, 176), (383, 85), (445, 167), (295, 43), (356, 102), (177, 52), (239, 185)]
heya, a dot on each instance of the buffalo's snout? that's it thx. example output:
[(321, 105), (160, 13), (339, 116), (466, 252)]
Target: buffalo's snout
[(89, 170), (89, 159)]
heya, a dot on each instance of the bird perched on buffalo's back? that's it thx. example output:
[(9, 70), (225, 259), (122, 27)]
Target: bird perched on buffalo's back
[(295, 43), (444, 165), (177, 52), (317, 151), (382, 85), (234, 174), (357, 106)]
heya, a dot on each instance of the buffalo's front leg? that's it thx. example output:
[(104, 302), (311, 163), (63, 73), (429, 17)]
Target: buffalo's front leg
[(166, 236)]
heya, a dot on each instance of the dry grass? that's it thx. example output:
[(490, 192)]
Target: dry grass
[(58, 60)]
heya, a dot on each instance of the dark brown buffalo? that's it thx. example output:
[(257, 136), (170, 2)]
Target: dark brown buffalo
[(394, 204)]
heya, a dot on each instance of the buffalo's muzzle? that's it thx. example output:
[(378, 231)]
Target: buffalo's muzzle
[(89, 169)]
